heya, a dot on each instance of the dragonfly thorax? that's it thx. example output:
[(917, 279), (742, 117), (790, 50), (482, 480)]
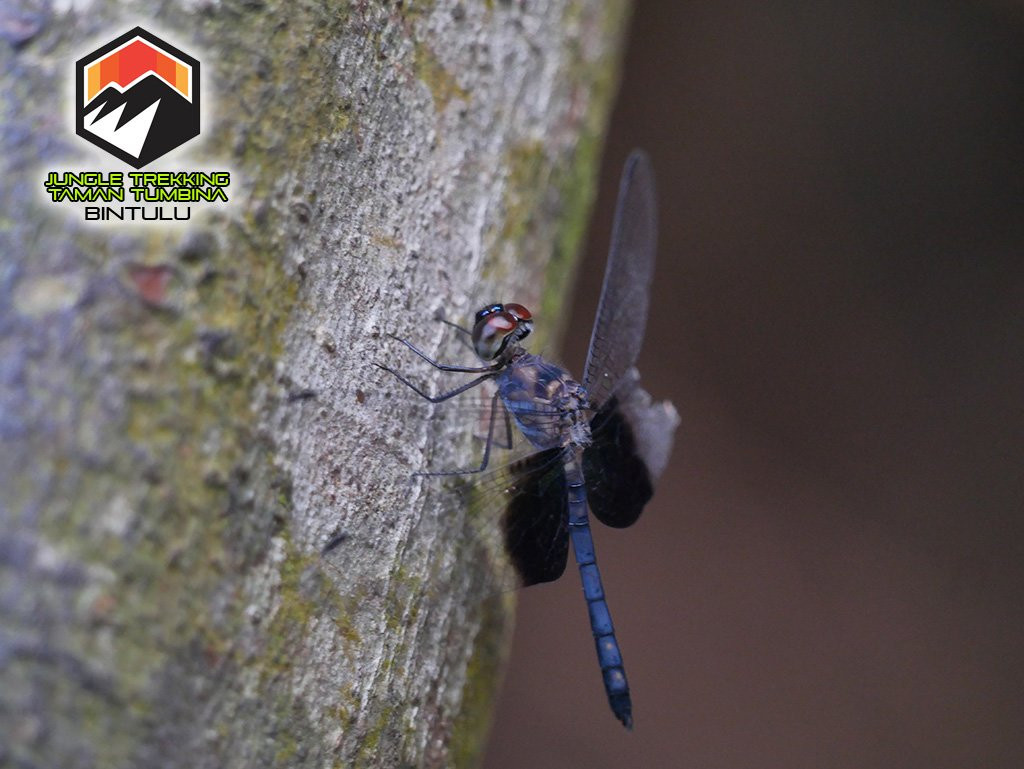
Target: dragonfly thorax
[(549, 406)]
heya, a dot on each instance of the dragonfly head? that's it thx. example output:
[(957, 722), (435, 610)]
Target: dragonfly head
[(499, 327)]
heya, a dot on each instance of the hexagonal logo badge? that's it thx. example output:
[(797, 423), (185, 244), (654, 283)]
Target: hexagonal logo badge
[(137, 97)]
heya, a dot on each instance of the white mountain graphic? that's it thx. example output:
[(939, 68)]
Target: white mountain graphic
[(143, 121), (131, 136)]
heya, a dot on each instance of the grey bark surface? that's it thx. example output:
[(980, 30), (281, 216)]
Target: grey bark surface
[(175, 457)]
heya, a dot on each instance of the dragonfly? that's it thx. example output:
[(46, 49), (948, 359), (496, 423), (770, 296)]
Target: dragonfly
[(599, 444)]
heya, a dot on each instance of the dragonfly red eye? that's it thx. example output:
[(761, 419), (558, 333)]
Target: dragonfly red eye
[(490, 332), (501, 322), (520, 312)]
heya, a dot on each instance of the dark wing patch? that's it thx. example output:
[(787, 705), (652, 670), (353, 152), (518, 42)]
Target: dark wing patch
[(618, 481), (535, 522)]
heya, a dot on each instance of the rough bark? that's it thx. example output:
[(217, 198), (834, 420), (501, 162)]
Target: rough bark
[(172, 464)]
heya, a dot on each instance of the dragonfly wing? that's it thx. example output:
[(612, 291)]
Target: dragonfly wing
[(517, 519), (508, 526), (622, 312), (470, 413), (632, 440), (535, 523)]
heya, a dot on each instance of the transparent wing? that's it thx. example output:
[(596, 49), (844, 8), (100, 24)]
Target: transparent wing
[(518, 517), (510, 522), (508, 526), (470, 413), (622, 312)]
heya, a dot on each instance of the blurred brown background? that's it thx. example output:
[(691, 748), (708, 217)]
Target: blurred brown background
[(831, 574)]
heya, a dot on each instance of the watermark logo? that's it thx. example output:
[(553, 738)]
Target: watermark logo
[(137, 97)]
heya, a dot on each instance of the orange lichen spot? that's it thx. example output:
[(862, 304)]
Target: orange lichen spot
[(151, 282)]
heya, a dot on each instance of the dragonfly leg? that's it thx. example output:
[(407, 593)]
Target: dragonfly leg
[(465, 335), (487, 446), (435, 398), (439, 315), (508, 432), (443, 366)]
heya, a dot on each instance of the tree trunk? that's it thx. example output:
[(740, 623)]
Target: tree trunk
[(190, 412)]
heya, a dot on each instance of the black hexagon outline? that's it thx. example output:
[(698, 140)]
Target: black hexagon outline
[(102, 51)]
